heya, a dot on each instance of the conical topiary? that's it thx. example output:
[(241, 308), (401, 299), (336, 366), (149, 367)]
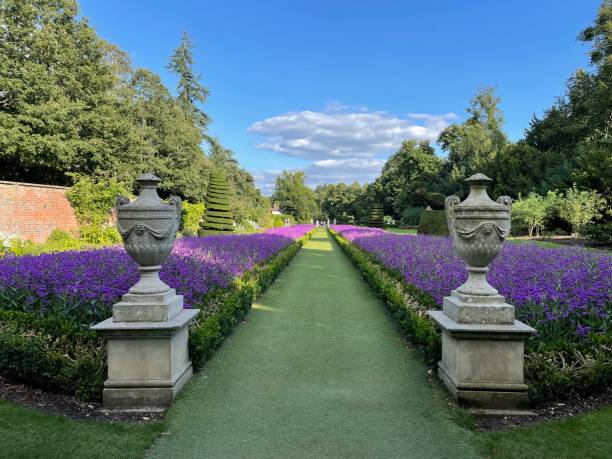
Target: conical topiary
[(218, 217), (376, 216)]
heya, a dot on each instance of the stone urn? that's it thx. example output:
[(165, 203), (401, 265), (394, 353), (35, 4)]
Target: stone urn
[(478, 227), (147, 335), (482, 342), (148, 228)]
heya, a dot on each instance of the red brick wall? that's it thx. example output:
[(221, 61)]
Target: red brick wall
[(32, 211)]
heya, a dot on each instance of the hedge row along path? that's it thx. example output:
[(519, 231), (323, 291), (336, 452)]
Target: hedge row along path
[(318, 369)]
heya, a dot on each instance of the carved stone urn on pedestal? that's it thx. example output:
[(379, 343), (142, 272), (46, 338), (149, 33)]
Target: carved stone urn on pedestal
[(146, 337), (482, 343)]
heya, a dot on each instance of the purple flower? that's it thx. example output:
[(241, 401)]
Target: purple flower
[(195, 266), (552, 284)]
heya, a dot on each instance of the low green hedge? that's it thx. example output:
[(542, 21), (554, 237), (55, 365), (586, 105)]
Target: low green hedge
[(207, 332), (407, 305), (64, 355), (552, 374), (52, 352), (433, 222)]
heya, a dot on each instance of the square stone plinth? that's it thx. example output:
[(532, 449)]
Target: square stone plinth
[(482, 364), (148, 362), (479, 309), (154, 307)]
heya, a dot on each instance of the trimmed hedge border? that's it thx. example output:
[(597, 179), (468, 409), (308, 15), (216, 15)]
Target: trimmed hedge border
[(64, 356), (551, 375), (231, 305), (407, 304)]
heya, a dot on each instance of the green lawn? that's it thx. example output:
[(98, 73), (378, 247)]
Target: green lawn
[(545, 244), (402, 231), (585, 436), (26, 433)]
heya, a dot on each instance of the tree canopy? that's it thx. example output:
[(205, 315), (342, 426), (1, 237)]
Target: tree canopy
[(72, 106)]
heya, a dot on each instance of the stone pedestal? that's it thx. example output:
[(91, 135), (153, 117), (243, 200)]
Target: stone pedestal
[(146, 338), (482, 363), (148, 361)]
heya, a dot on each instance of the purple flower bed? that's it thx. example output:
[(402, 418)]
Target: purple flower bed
[(100, 277), (546, 285)]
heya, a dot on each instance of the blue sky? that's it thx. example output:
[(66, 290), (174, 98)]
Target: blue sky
[(332, 87)]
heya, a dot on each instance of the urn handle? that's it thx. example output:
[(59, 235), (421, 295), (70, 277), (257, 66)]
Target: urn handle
[(449, 204), (121, 200), (178, 205)]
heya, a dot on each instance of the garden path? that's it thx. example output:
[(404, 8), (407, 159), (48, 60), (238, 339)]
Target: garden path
[(318, 369)]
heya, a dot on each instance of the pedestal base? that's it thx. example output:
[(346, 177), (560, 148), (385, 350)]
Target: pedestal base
[(148, 362), (482, 364)]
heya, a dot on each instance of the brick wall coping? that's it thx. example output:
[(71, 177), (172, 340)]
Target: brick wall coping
[(39, 185)]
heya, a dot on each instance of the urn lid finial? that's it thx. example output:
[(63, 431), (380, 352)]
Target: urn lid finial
[(148, 179), (478, 179)]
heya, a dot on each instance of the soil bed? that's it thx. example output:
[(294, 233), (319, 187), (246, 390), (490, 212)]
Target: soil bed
[(548, 412), (70, 406)]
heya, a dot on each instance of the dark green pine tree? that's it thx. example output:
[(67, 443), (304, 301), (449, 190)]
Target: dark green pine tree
[(376, 216), (218, 216)]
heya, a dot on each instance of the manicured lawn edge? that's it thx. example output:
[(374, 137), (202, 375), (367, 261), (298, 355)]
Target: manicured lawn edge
[(550, 374), (63, 355)]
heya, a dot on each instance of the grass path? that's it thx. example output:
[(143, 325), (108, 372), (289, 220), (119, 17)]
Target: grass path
[(317, 370)]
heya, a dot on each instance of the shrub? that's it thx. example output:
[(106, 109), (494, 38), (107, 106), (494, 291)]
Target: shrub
[(599, 233), (376, 216), (191, 217), (433, 222), (93, 200), (278, 221), (52, 352), (581, 207), (411, 215), (218, 216), (99, 234)]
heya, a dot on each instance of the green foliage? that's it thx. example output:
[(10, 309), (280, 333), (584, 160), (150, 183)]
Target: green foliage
[(599, 233), (99, 234), (473, 145), (191, 217), (433, 222), (218, 216), (294, 197), (343, 202), (72, 106), (52, 352), (246, 201), (190, 90), (562, 374), (278, 221), (58, 241), (376, 216), (434, 200), (411, 216), (529, 212), (93, 199), (581, 207), (413, 167)]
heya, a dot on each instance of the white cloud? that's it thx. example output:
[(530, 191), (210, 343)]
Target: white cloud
[(343, 143)]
